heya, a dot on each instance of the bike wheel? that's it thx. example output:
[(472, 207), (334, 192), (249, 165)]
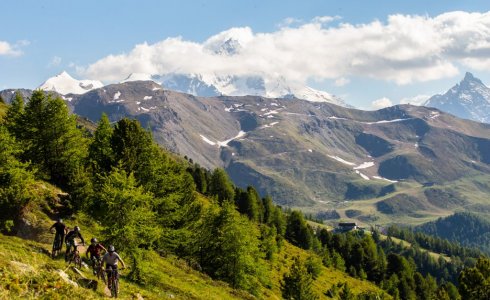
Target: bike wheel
[(116, 287), (78, 262), (101, 275)]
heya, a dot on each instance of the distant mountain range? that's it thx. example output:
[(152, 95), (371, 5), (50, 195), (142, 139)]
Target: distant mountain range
[(403, 163), (201, 85), (470, 99)]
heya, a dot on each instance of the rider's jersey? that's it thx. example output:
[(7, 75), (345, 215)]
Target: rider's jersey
[(70, 237), (111, 259), (59, 227), (95, 250)]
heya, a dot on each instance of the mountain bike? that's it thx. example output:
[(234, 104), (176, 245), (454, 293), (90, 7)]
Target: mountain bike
[(99, 270), (57, 245), (74, 257), (113, 282)]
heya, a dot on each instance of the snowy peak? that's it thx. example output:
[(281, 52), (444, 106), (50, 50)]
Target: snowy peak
[(64, 84), (242, 85), (470, 99), (137, 77), (468, 77)]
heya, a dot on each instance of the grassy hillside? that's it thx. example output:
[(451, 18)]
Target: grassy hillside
[(27, 271)]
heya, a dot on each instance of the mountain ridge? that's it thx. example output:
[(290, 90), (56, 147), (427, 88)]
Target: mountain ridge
[(469, 99), (314, 155)]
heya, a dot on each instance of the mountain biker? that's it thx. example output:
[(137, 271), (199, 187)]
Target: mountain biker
[(61, 230), (95, 249), (111, 258), (70, 240)]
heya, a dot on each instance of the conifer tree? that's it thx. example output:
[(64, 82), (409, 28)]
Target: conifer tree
[(101, 155), (228, 247), (51, 138), (221, 186), (297, 231), (297, 284), (14, 116)]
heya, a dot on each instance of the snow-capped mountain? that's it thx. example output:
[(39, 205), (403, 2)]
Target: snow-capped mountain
[(187, 83), (236, 85), (137, 77), (470, 99), (64, 84)]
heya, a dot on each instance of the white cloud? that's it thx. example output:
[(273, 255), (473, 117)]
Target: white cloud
[(404, 49), (341, 81), (416, 100), (10, 50), (288, 22), (55, 61), (381, 103)]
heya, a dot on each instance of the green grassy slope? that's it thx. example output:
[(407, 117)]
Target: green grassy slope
[(28, 272)]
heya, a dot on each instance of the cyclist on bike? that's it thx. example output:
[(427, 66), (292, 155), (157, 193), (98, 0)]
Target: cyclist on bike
[(70, 240), (61, 230), (110, 259), (95, 249)]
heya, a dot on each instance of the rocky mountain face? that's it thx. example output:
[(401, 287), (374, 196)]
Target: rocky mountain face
[(403, 161), (470, 99)]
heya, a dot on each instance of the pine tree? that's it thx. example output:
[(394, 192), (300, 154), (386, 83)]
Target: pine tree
[(51, 138), (221, 186), (14, 116), (297, 284), (297, 231), (101, 154), (132, 147), (228, 247)]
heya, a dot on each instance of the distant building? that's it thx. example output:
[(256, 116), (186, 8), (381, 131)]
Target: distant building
[(345, 227)]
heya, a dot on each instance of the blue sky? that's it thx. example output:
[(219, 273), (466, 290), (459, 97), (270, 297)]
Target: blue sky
[(39, 39)]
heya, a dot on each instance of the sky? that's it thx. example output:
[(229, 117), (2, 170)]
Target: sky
[(370, 53)]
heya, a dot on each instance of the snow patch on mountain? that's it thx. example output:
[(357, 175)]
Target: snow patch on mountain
[(64, 84), (342, 160), (364, 165)]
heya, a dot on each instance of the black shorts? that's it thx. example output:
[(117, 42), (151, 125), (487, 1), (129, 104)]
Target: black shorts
[(109, 268)]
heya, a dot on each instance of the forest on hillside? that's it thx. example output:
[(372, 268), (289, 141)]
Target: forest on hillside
[(149, 200)]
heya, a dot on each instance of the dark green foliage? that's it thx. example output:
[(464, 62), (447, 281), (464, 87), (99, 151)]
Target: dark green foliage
[(298, 232), (132, 147), (221, 186), (313, 265), (1, 100), (433, 243), (249, 203), (50, 137), (15, 113), (297, 284), (15, 180), (101, 155), (268, 241), (470, 230), (227, 247), (474, 283), (201, 178)]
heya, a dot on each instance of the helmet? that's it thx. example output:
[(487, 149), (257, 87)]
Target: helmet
[(111, 248), (76, 228), (93, 240)]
